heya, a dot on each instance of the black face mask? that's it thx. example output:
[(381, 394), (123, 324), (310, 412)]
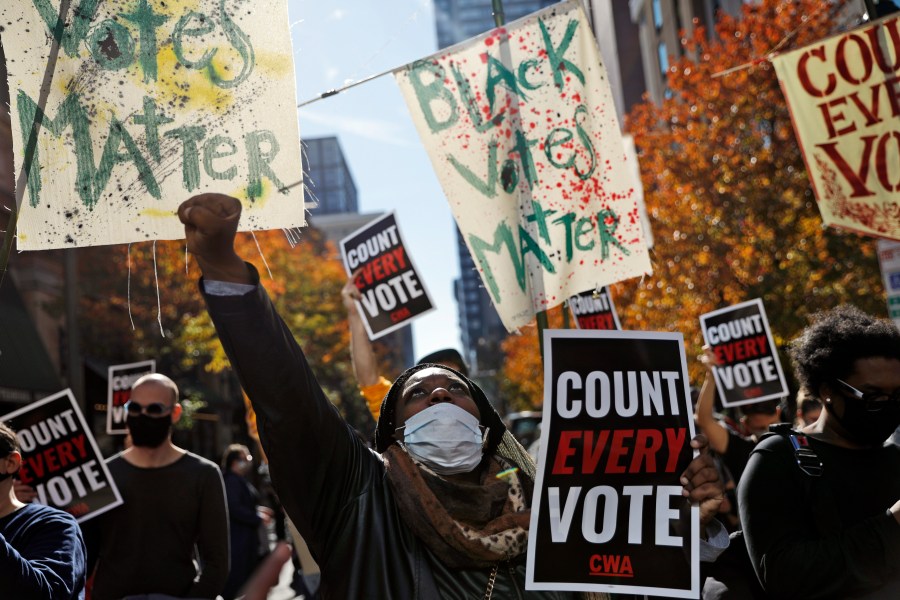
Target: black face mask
[(869, 428), (148, 432)]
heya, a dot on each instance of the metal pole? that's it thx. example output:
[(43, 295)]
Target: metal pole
[(499, 15), (74, 360), (541, 317), (871, 10)]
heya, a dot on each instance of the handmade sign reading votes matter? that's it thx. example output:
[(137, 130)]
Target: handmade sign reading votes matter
[(748, 368), (392, 290), (845, 104), (521, 129), (615, 439), (135, 105), (594, 310), (60, 458), (121, 380)]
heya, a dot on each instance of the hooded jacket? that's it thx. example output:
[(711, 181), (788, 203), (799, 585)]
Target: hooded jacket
[(332, 486)]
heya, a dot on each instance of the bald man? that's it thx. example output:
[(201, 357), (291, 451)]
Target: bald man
[(174, 502)]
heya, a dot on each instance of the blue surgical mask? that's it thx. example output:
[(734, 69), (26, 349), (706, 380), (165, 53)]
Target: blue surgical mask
[(445, 438)]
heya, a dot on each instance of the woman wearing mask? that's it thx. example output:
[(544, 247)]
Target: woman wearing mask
[(426, 516)]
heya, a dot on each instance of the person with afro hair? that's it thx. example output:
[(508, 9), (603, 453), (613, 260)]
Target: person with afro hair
[(821, 507)]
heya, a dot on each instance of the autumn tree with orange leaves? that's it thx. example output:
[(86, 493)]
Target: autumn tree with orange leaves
[(733, 212), (730, 202), (522, 376)]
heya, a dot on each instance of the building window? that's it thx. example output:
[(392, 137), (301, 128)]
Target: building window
[(663, 59)]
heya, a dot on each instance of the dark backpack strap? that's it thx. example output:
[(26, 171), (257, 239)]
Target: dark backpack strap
[(824, 510), (807, 459)]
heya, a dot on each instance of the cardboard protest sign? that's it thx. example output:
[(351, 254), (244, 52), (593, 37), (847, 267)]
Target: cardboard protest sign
[(594, 309), (393, 293), (60, 458), (140, 104), (615, 439), (749, 370), (521, 129), (845, 106), (121, 378), (889, 261)]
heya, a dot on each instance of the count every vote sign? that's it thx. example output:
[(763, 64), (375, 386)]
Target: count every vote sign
[(391, 290), (608, 514), (60, 458), (747, 370)]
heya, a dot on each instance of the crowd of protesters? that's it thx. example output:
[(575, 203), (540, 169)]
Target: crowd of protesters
[(814, 505)]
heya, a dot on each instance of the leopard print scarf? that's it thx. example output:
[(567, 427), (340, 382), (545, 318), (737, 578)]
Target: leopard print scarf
[(467, 526)]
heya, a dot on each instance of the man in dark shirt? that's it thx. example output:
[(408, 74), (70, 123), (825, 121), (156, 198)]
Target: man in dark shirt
[(173, 502), (821, 508), (42, 555)]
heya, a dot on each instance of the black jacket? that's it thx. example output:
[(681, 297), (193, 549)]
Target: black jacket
[(332, 486)]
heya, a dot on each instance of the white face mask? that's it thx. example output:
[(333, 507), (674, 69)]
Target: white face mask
[(444, 437)]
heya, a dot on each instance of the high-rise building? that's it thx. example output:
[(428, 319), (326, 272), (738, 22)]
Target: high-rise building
[(660, 25), (661, 22), (617, 37), (458, 20), (327, 177)]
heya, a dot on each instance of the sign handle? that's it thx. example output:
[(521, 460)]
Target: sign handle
[(499, 15)]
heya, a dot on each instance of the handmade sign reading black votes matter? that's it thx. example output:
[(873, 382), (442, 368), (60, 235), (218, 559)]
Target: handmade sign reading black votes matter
[(60, 458), (615, 438), (391, 289), (521, 129), (132, 106), (121, 380), (748, 369)]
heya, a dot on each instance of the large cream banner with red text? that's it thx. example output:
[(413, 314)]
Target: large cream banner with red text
[(844, 96), (122, 109), (520, 126)]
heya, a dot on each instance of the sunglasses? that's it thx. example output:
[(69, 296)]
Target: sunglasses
[(874, 401), (157, 409)]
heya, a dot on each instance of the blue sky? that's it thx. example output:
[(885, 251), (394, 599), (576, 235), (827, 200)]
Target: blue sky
[(340, 40)]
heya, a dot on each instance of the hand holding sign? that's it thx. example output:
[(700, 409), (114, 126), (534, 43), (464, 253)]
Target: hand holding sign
[(702, 485), (708, 358), (210, 224), (24, 493), (350, 293)]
